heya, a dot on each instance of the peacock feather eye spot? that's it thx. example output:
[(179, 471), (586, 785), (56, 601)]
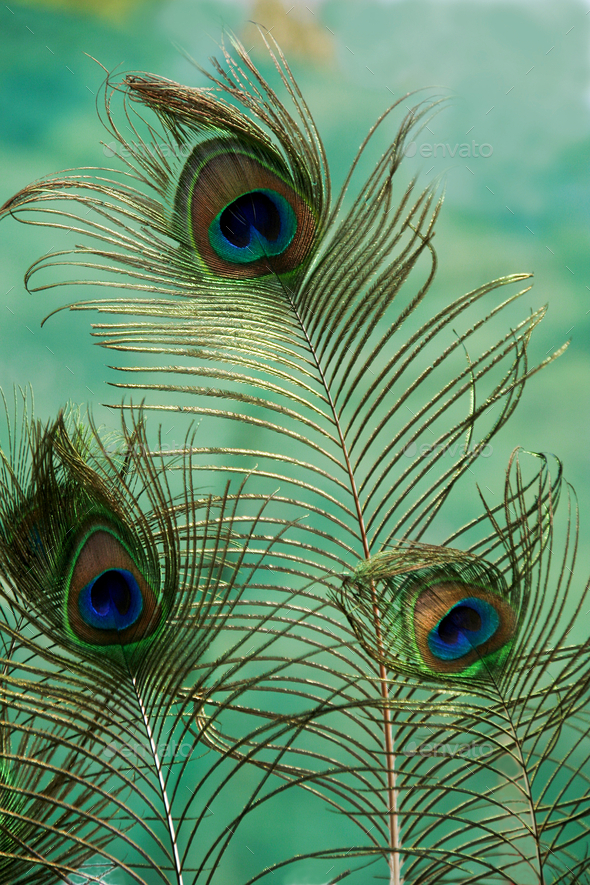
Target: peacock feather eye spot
[(460, 628), (109, 599), (30, 538), (245, 217)]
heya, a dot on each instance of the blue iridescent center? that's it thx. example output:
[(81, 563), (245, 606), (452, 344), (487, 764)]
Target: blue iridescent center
[(112, 600), (257, 224), (468, 624)]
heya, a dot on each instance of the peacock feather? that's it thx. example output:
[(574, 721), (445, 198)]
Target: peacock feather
[(306, 623), (113, 589)]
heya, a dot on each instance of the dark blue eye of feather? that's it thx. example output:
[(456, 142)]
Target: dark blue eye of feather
[(112, 599), (257, 224), (459, 620), (109, 592), (254, 210), (467, 625)]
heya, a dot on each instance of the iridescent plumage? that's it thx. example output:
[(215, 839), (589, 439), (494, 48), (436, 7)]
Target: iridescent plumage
[(272, 308)]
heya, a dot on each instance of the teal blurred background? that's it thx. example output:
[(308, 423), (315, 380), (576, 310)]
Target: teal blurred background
[(518, 79)]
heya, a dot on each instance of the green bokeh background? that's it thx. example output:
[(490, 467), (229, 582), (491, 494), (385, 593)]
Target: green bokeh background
[(517, 74)]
